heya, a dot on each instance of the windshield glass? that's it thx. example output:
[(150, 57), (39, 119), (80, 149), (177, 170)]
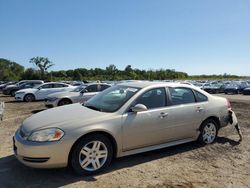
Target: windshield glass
[(111, 99), (78, 89)]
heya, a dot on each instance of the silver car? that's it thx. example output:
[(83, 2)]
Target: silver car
[(80, 94), (122, 120)]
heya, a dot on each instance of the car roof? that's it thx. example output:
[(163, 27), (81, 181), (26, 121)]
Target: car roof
[(143, 84)]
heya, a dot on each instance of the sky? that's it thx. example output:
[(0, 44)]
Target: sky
[(194, 36)]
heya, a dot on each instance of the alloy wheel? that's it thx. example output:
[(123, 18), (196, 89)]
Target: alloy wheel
[(209, 133), (93, 156)]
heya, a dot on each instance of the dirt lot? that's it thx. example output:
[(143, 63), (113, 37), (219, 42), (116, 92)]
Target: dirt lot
[(223, 164)]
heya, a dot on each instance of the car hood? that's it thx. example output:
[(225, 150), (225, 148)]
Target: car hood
[(29, 90), (9, 86), (64, 117), (64, 94)]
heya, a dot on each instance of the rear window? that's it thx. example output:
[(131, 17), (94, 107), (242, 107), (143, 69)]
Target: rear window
[(200, 97), (181, 96)]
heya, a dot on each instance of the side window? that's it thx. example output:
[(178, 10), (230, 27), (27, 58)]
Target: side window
[(28, 85), (200, 97), (154, 98), (91, 88), (181, 96), (58, 85), (103, 87), (47, 86)]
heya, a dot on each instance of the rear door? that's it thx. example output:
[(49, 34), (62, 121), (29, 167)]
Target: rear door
[(185, 113)]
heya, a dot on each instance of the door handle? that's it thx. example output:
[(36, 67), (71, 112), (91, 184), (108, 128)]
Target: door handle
[(199, 109), (163, 115)]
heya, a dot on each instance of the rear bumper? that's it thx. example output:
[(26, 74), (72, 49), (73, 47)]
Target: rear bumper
[(224, 121)]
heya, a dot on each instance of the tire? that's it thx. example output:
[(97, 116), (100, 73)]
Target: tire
[(64, 102), (86, 152), (12, 93), (208, 132), (29, 98)]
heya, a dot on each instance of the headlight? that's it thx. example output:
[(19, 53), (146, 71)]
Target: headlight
[(20, 92), (46, 135)]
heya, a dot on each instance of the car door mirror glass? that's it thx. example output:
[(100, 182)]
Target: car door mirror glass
[(139, 108)]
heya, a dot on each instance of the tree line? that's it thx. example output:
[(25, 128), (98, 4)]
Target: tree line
[(13, 71)]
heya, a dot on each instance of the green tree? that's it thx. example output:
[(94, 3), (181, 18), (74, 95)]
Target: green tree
[(43, 63), (111, 70), (10, 70)]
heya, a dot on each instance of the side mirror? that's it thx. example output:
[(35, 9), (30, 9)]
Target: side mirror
[(84, 91), (139, 108)]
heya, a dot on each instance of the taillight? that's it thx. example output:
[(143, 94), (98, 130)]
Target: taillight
[(228, 104)]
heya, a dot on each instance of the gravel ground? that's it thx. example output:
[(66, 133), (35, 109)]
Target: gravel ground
[(223, 164)]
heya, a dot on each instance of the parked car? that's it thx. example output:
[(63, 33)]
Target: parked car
[(214, 88), (246, 91), (2, 86), (17, 83), (11, 90), (235, 88), (80, 94), (40, 92), (122, 120)]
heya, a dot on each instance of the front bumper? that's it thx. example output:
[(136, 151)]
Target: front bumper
[(19, 97), (50, 104), (41, 155)]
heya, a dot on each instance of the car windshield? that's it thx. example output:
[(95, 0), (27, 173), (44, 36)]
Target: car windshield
[(111, 99), (78, 89)]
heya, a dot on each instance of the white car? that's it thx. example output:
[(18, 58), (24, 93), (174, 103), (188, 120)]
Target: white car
[(42, 91), (80, 94)]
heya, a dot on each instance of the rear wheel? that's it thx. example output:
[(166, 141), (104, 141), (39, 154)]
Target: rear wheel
[(29, 98), (208, 132), (64, 102), (12, 93), (91, 155)]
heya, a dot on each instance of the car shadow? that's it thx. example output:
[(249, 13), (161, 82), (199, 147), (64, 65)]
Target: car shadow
[(12, 171), (14, 101), (36, 111), (4, 96), (224, 140)]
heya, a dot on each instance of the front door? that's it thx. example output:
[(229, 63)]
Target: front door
[(146, 128)]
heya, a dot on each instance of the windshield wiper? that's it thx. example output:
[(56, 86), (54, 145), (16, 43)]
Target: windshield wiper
[(93, 107)]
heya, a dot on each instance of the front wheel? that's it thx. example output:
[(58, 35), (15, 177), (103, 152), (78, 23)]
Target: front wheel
[(208, 132), (64, 102), (29, 98), (92, 154)]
